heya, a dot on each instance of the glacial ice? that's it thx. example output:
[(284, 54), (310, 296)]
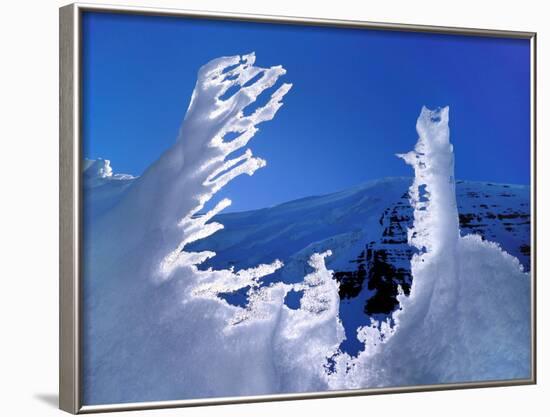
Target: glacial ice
[(156, 328)]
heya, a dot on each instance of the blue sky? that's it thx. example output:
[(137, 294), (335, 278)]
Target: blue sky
[(356, 96)]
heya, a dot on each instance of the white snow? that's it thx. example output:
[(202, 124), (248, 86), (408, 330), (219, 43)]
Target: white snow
[(156, 329), (468, 315), (308, 336)]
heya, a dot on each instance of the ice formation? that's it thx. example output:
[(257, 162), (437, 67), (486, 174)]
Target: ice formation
[(468, 315), (156, 328)]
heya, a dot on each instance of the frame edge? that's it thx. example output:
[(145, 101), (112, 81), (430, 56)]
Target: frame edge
[(302, 20), (534, 220), (68, 277), (70, 399)]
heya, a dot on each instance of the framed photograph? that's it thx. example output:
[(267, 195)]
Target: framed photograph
[(258, 208)]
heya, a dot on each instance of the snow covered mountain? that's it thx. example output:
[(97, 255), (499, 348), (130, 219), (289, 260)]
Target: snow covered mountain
[(365, 227)]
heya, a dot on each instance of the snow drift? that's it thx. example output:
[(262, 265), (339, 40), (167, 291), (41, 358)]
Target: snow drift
[(156, 327)]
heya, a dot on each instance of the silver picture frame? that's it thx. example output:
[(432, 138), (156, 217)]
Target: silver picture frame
[(70, 203)]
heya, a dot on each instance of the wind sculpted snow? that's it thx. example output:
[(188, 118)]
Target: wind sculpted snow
[(468, 314), (157, 328)]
